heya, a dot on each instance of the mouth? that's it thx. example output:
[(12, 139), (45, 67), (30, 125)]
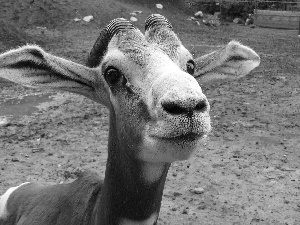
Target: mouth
[(188, 137), (171, 149), (177, 145)]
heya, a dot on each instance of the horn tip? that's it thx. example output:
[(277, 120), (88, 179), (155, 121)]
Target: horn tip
[(155, 20), (118, 24)]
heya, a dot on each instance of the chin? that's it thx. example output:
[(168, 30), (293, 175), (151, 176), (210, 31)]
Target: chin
[(168, 150)]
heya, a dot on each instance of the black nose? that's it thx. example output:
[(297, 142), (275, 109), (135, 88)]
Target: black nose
[(182, 107)]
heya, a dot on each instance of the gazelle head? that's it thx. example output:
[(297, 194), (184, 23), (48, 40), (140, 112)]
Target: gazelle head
[(156, 105), (158, 112)]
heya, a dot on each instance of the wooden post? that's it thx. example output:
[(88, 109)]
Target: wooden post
[(285, 6), (299, 29), (254, 12), (220, 5)]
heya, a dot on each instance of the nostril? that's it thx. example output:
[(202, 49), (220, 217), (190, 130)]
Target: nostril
[(201, 106), (173, 108)]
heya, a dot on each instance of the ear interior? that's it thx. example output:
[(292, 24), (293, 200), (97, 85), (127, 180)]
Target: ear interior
[(230, 62), (31, 66)]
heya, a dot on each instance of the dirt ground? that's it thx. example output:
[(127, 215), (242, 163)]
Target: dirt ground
[(250, 167)]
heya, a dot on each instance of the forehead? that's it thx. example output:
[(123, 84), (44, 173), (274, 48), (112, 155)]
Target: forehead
[(139, 49), (165, 38)]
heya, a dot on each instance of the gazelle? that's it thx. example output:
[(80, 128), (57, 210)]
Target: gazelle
[(158, 115)]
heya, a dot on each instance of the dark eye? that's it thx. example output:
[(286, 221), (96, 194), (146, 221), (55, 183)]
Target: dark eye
[(190, 67), (112, 76)]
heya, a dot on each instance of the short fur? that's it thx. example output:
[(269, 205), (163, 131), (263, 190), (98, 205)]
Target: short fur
[(158, 115)]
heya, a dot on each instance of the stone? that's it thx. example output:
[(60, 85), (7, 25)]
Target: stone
[(238, 20), (4, 122), (88, 18), (249, 21), (199, 14), (185, 211), (35, 150), (198, 190), (133, 19), (159, 6), (176, 194)]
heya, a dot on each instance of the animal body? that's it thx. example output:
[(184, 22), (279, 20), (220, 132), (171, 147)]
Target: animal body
[(158, 115)]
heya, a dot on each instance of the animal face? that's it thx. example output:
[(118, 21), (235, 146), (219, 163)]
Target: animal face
[(157, 104)]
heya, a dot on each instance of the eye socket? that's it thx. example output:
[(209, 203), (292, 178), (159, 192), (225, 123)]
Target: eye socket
[(190, 67), (112, 76)]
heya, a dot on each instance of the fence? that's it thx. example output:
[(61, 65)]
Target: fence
[(277, 19), (275, 14)]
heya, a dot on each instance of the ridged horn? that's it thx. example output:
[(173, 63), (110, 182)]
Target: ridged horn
[(106, 34), (157, 20)]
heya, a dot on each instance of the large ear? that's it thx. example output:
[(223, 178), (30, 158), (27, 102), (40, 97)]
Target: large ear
[(33, 67), (230, 62)]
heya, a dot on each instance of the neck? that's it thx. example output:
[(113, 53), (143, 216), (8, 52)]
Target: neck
[(132, 190)]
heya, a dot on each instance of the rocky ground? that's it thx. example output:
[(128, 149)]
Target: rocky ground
[(249, 171)]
